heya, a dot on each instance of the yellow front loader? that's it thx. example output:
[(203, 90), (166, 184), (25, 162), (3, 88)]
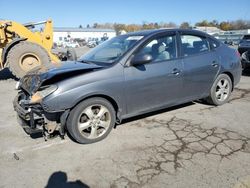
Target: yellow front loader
[(22, 49)]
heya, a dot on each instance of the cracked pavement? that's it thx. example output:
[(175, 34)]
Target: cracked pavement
[(182, 140), (191, 145)]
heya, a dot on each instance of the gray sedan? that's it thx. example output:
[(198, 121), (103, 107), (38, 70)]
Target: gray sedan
[(126, 76)]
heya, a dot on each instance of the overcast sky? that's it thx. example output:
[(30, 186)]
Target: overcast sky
[(75, 12)]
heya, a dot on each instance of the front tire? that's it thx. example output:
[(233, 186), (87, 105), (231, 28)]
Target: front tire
[(220, 91), (91, 120)]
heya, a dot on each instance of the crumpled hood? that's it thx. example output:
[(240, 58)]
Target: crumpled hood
[(34, 79)]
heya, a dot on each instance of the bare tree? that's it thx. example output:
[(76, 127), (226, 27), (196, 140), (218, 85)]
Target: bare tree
[(185, 25)]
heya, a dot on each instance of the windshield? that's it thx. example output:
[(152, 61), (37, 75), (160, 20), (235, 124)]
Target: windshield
[(111, 50)]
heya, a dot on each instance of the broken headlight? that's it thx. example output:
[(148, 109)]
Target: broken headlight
[(43, 92)]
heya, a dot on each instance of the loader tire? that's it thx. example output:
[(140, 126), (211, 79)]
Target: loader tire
[(26, 56)]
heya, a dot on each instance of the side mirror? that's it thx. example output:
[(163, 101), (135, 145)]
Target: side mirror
[(140, 59)]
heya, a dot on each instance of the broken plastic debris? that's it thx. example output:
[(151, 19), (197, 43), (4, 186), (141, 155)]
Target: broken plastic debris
[(15, 156)]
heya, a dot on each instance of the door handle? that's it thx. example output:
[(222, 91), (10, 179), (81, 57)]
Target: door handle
[(214, 64), (176, 71)]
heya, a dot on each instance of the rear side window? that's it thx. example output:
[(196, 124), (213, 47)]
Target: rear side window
[(192, 44)]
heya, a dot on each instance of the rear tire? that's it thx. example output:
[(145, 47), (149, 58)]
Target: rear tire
[(26, 56), (220, 91), (91, 120)]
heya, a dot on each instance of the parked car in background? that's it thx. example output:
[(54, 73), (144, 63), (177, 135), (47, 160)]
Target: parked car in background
[(123, 77), (245, 60), (81, 42), (70, 44), (92, 44), (244, 50), (103, 39), (229, 42), (244, 44)]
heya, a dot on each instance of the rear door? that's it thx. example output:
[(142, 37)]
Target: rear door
[(200, 65)]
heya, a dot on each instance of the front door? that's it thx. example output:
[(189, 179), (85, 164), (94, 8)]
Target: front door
[(157, 83)]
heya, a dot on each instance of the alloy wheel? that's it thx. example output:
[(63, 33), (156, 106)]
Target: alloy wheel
[(94, 121), (222, 90)]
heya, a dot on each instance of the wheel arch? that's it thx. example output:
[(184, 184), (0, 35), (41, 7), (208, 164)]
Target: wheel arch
[(8, 48), (230, 76), (108, 98)]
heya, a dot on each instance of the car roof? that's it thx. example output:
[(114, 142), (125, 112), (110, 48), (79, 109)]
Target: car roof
[(158, 31)]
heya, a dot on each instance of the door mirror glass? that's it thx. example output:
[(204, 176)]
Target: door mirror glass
[(140, 59)]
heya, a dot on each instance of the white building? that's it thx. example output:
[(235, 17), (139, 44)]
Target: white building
[(209, 30), (67, 33), (232, 36)]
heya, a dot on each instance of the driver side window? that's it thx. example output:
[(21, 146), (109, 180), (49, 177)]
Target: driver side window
[(160, 48)]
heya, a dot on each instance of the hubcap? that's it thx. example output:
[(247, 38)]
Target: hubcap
[(222, 90), (94, 121), (29, 61)]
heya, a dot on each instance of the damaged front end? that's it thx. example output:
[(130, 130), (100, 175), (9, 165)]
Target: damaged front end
[(33, 114), (34, 118)]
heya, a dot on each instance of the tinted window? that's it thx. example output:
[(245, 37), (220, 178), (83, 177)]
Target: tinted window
[(193, 45), (161, 48)]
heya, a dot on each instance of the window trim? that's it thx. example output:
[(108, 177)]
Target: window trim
[(160, 35), (192, 34)]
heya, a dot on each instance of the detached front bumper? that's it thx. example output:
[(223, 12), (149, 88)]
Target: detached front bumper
[(30, 116)]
